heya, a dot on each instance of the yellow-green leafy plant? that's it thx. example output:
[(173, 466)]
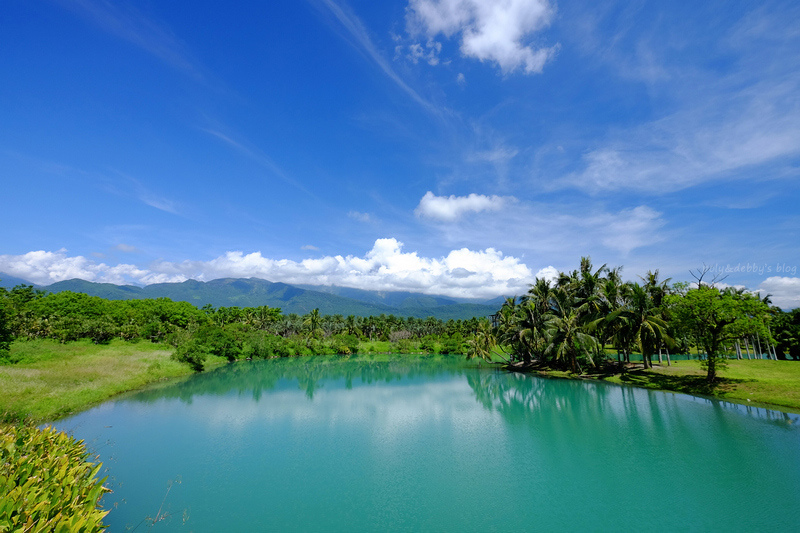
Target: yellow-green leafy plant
[(47, 482)]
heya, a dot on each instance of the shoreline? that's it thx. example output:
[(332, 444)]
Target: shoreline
[(688, 380), (65, 379)]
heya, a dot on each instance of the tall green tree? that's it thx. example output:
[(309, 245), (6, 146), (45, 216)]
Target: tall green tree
[(712, 318), (641, 321), (6, 335)]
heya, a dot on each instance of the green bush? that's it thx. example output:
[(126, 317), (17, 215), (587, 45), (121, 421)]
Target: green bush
[(344, 344), (192, 352), (219, 341), (47, 482)]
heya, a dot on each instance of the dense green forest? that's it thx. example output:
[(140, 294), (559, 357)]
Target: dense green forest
[(585, 319)]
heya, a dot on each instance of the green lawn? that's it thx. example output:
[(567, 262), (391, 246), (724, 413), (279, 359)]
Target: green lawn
[(51, 380), (760, 381)]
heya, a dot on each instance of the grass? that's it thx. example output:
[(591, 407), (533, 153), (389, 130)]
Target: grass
[(772, 383), (51, 380)]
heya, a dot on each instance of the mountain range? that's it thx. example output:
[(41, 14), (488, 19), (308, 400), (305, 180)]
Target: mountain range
[(254, 292)]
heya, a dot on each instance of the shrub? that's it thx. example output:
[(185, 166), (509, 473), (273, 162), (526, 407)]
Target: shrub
[(344, 344), (219, 341), (47, 482), (192, 352)]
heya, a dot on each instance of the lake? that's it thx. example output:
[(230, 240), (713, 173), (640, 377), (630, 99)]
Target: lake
[(325, 444)]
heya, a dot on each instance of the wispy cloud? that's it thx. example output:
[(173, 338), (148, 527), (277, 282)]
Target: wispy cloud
[(259, 157), (125, 21), (130, 186), (723, 139), (558, 232), (363, 42), (361, 217), (740, 121)]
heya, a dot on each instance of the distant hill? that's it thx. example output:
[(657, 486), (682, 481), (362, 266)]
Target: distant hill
[(254, 292), (10, 281)]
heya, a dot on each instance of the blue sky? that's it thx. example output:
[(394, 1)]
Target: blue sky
[(457, 147)]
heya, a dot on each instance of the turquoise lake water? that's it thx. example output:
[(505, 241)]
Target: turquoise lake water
[(309, 444)]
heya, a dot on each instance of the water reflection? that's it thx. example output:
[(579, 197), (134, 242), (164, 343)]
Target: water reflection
[(309, 374), (329, 444), (523, 397)]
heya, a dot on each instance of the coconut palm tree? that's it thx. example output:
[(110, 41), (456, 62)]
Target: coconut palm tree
[(641, 321), (483, 343), (567, 328)]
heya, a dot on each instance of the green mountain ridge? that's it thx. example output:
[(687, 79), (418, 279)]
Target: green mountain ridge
[(254, 292)]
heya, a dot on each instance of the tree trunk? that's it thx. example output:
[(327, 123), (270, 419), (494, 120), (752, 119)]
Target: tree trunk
[(747, 347), (660, 360), (669, 361), (738, 351)]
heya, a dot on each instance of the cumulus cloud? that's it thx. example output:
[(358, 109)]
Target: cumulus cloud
[(43, 268), (550, 273), (491, 30), (785, 291), (461, 273), (451, 208)]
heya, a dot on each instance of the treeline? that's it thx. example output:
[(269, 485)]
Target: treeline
[(571, 322), (230, 332)]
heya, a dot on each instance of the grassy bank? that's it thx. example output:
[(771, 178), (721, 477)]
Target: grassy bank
[(771, 383), (762, 381), (51, 380)]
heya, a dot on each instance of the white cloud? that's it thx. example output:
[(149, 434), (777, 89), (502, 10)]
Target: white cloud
[(631, 228), (491, 30), (309, 247), (127, 248), (785, 291), (450, 208), (361, 217), (43, 268), (428, 53), (741, 124), (757, 127), (461, 273), (550, 273)]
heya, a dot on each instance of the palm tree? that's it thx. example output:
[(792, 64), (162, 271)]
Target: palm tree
[(567, 330), (641, 321), (312, 321), (483, 343)]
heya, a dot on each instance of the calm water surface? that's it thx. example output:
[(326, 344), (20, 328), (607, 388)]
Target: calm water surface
[(320, 445)]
